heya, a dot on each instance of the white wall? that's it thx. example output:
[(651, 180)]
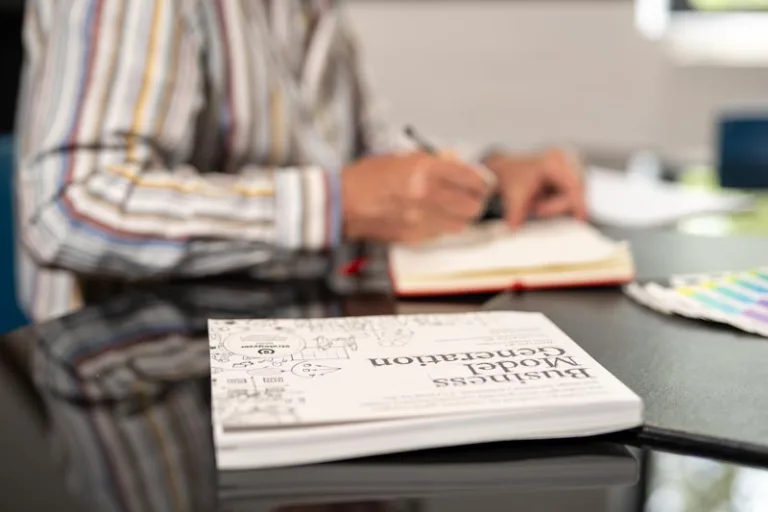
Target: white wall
[(532, 72)]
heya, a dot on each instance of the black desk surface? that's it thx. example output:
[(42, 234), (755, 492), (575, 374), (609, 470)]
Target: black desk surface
[(108, 409), (704, 386)]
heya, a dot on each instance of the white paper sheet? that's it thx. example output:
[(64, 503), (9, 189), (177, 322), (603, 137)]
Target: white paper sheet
[(615, 198)]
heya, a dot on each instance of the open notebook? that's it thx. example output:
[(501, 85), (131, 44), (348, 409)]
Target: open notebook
[(490, 257)]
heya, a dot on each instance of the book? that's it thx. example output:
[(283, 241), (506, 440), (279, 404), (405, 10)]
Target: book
[(298, 391), (490, 257), (469, 471)]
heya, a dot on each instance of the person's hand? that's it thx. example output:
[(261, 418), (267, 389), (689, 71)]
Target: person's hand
[(410, 198), (540, 185)]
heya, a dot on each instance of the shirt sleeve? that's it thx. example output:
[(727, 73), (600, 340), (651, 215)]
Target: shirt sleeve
[(114, 90)]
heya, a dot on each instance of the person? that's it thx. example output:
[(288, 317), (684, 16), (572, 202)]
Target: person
[(182, 138)]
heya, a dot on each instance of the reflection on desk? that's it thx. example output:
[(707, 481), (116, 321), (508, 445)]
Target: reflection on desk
[(124, 392), (108, 410), (458, 472), (680, 484)]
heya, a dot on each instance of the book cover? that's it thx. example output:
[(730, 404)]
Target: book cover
[(292, 372)]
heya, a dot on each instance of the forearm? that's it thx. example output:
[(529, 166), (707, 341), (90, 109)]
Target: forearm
[(159, 222)]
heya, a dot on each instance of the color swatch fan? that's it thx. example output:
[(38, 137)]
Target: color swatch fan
[(739, 299)]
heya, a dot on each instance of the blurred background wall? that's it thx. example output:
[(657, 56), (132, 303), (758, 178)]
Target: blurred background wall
[(527, 71)]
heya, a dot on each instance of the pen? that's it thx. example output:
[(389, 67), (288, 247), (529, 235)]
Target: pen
[(425, 145), (430, 148)]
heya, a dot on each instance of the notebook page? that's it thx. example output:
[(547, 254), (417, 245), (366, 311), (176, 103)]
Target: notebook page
[(492, 246)]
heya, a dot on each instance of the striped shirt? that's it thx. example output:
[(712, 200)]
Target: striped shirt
[(183, 138)]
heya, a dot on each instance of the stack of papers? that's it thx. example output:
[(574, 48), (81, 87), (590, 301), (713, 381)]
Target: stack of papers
[(739, 299), (617, 199)]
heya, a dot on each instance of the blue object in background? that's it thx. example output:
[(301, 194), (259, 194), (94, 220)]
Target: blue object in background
[(11, 317), (743, 151)]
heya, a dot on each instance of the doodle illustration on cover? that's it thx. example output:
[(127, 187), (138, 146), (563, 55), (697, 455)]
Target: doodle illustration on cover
[(253, 361)]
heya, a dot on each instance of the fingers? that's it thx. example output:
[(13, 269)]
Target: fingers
[(435, 195), (454, 203), (413, 226), (518, 195), (563, 174), (419, 223), (416, 222), (410, 198), (547, 186), (457, 174), (445, 192), (553, 206)]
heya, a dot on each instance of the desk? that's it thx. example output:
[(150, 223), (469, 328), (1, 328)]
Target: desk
[(108, 409), (704, 386)]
